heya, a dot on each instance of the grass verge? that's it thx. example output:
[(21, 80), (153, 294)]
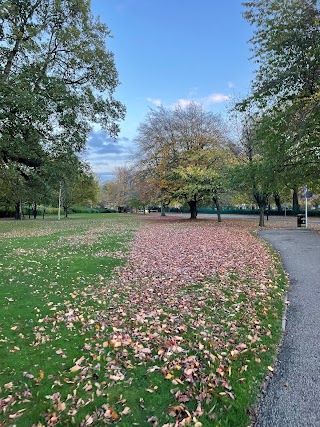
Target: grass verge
[(78, 347)]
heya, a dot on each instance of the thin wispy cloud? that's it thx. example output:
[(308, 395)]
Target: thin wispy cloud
[(212, 99), (183, 103), (154, 101)]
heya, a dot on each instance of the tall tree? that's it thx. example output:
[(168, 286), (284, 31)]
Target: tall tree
[(255, 174), (201, 176), (157, 144), (56, 78), (286, 48), (181, 148)]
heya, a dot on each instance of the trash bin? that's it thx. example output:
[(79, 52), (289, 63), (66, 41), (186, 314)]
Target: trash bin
[(301, 220)]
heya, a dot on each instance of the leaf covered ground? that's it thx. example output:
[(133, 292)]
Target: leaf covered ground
[(117, 321)]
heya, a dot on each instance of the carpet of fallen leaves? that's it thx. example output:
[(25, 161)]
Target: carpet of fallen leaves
[(176, 334)]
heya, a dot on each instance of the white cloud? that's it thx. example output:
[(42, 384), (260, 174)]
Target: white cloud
[(230, 85), (156, 102), (213, 98), (216, 98), (183, 103)]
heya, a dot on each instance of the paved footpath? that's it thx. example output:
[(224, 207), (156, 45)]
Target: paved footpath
[(292, 397)]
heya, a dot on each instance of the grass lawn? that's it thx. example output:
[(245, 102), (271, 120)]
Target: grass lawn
[(86, 339)]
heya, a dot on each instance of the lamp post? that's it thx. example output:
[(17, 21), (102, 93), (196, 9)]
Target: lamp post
[(59, 205), (306, 204)]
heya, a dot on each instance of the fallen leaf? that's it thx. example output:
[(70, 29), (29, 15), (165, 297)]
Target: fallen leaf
[(75, 368), (61, 406)]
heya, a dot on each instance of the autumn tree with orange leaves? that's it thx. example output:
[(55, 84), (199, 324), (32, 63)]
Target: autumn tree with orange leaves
[(184, 151)]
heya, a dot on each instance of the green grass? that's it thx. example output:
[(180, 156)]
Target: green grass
[(44, 266), (59, 303)]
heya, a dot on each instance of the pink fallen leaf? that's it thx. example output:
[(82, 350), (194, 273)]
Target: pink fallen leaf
[(118, 377), (89, 421), (75, 368), (61, 406)]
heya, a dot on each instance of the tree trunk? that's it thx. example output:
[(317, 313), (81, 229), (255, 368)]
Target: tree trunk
[(21, 211), (219, 213), (163, 213), (278, 202), (17, 210), (217, 204), (193, 209), (65, 211), (262, 202), (295, 201), (261, 218), (35, 212)]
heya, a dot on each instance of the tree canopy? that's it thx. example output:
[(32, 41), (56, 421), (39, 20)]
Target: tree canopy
[(184, 150), (285, 47), (57, 78), (285, 91)]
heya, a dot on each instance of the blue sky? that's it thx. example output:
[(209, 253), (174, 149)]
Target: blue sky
[(169, 52)]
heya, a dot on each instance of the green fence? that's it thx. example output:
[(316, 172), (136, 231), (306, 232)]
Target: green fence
[(237, 211)]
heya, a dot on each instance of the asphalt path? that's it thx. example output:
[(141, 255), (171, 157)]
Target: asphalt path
[(292, 397)]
